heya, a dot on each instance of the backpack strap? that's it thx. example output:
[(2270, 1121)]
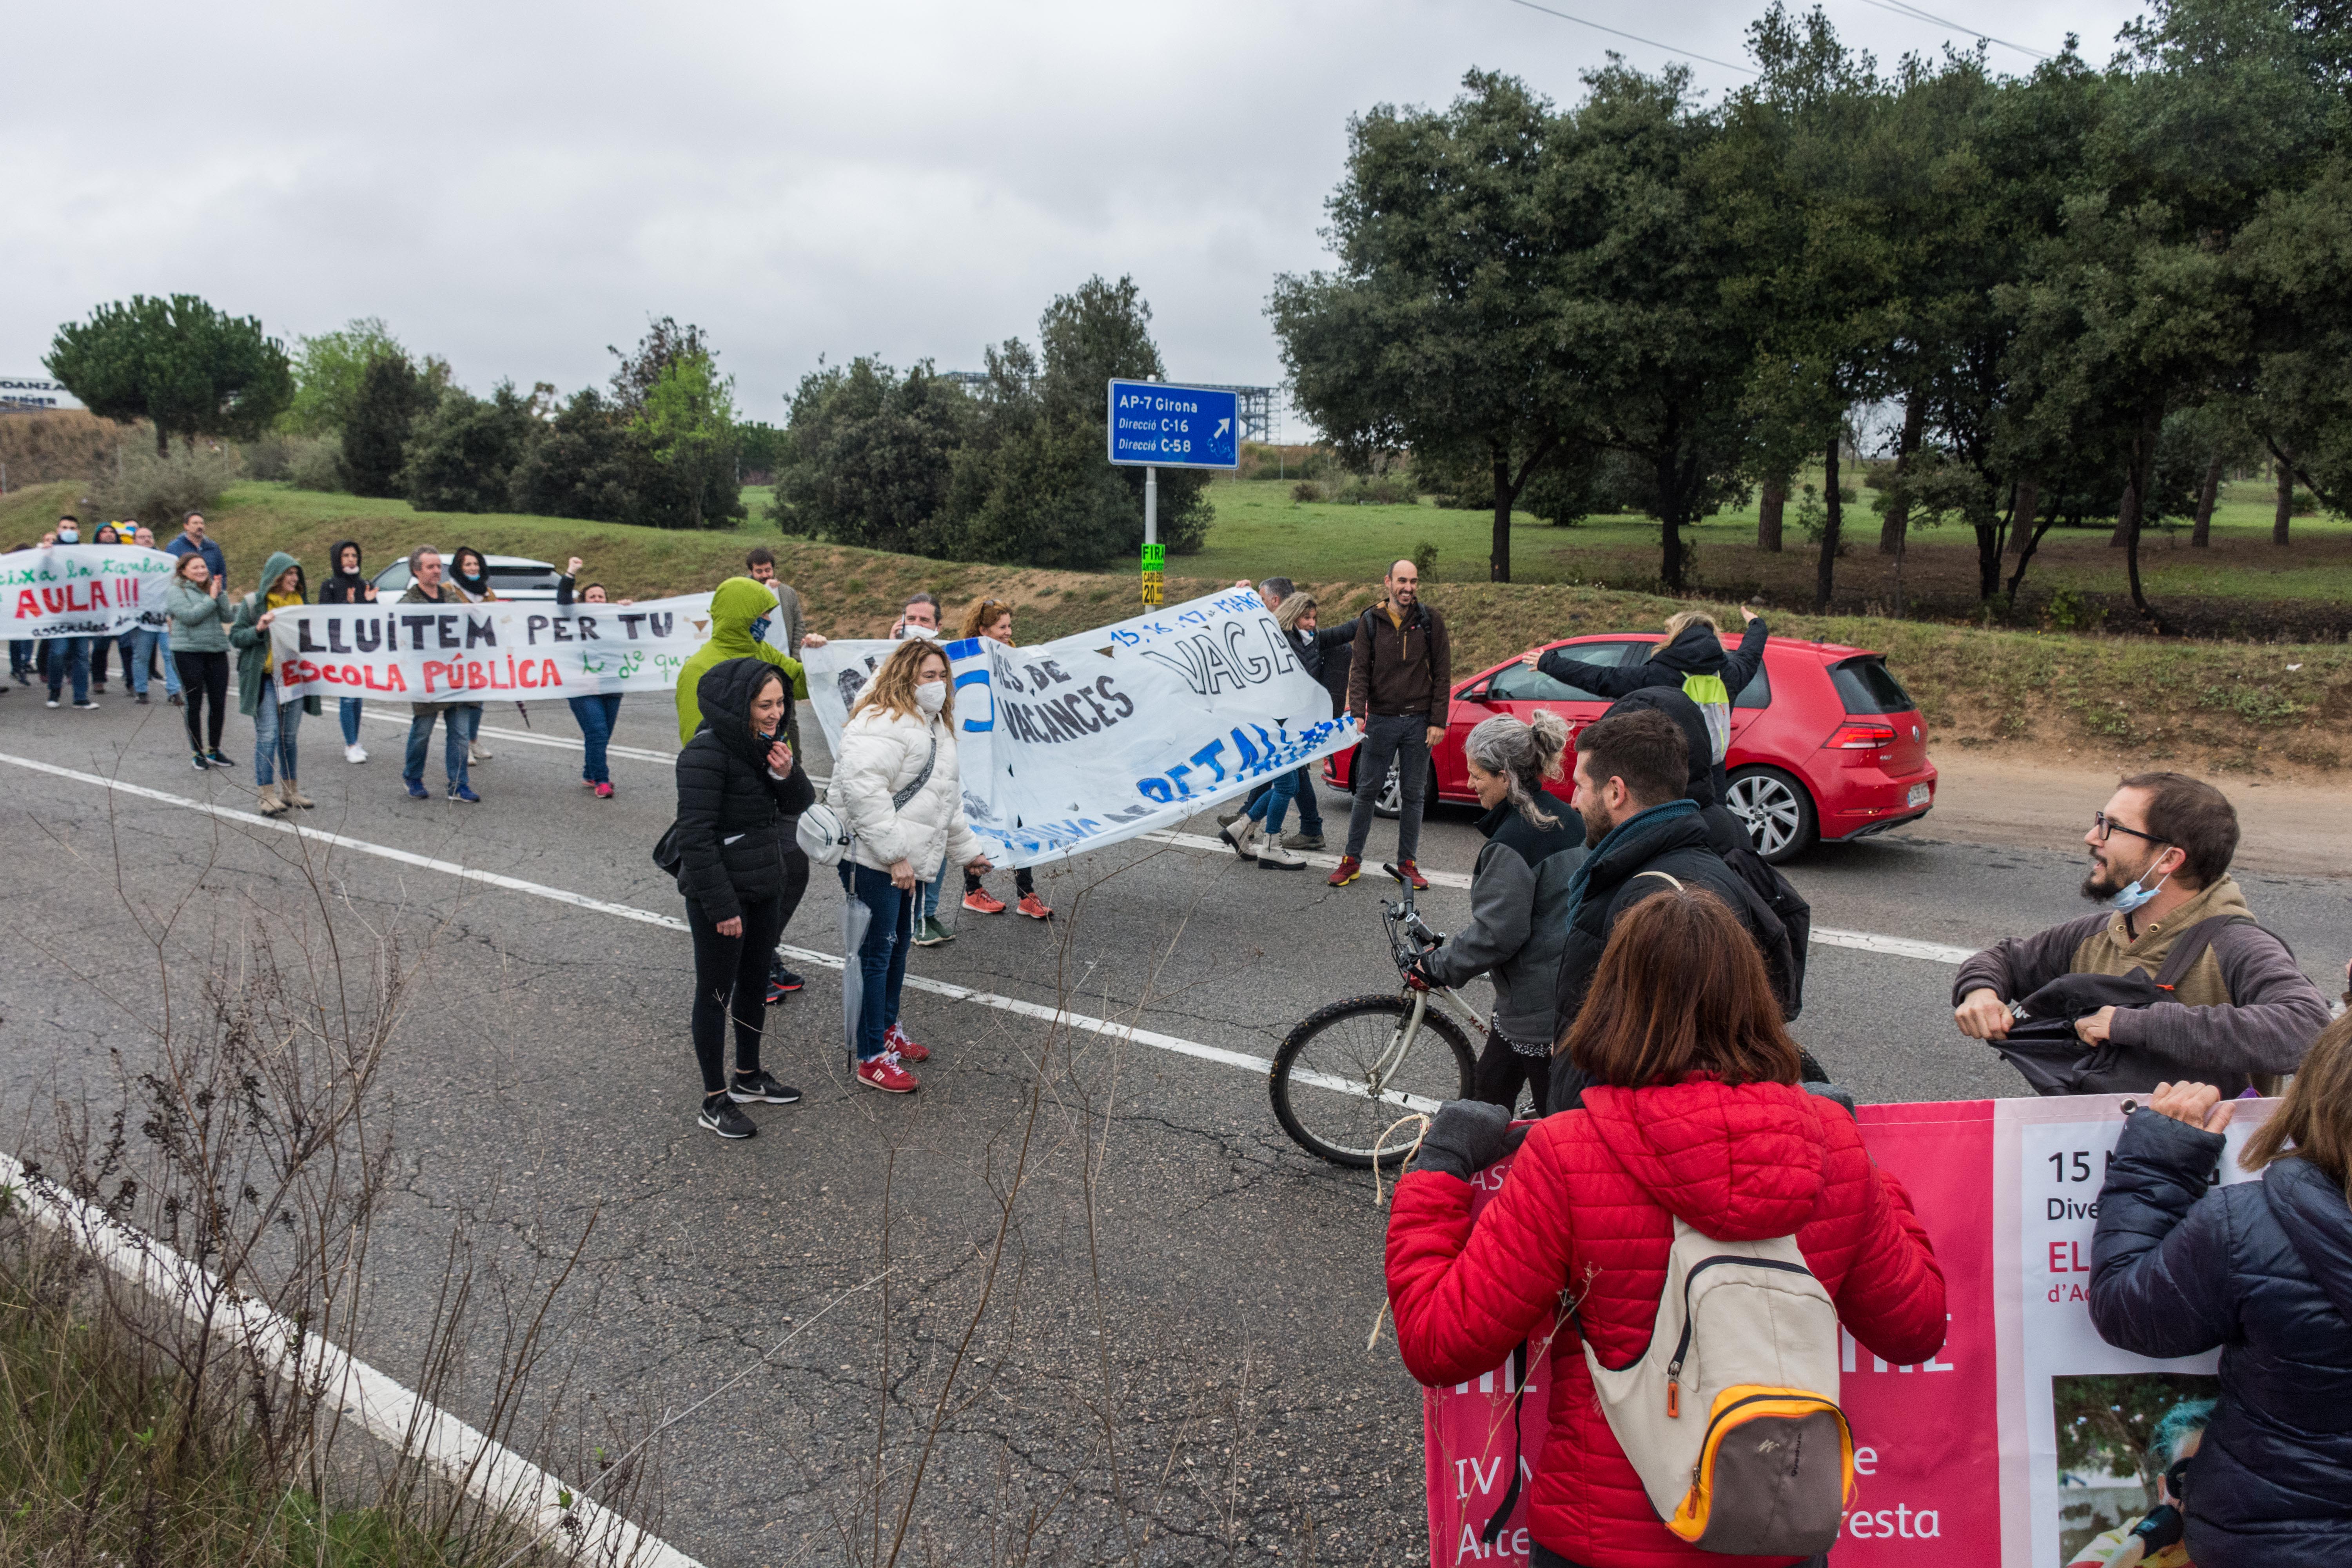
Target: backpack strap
[(2191, 946), (1518, 1446), (899, 798)]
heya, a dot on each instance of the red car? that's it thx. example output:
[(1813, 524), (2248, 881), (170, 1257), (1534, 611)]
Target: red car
[(1825, 744)]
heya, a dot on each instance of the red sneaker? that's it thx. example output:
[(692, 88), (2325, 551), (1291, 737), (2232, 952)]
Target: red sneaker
[(1346, 871), (1034, 906), (604, 792), (979, 903), (896, 1043), (1413, 873), (885, 1074)]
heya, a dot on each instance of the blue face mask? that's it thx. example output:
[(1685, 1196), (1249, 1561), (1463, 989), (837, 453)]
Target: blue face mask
[(2133, 897), (759, 629)]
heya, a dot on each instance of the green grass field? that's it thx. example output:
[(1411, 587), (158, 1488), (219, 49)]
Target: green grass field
[(2234, 704), (1259, 528)]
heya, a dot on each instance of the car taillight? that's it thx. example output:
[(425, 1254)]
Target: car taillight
[(1861, 737)]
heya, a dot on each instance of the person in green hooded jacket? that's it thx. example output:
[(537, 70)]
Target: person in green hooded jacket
[(275, 724), (740, 610)]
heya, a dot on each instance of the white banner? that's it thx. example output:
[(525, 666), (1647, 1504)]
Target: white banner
[(514, 650), (1071, 746), (84, 590)]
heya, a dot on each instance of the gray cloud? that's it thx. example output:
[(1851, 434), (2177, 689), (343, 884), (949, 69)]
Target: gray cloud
[(517, 187)]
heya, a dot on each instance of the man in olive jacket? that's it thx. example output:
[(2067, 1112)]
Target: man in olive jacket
[(1399, 687)]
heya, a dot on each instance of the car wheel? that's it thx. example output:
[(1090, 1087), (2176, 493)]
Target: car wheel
[(1778, 811), (1389, 800)]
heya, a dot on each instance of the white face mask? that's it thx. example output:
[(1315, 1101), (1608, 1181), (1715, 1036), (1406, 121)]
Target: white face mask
[(931, 696), (68, 536)]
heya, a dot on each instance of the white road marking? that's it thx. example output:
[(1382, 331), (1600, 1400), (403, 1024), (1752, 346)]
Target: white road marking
[(1896, 946), (388, 1411), (560, 743)]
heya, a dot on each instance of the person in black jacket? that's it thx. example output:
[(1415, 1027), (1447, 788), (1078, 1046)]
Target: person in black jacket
[(1257, 831), (2263, 1270), (344, 586), (737, 787), (1647, 835), (1691, 660)]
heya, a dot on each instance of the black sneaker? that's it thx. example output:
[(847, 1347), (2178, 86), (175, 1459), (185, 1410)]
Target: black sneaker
[(718, 1114), (782, 983), (214, 757), (761, 1089), (202, 766)]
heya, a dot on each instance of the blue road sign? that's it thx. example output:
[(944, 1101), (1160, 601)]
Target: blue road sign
[(1154, 425)]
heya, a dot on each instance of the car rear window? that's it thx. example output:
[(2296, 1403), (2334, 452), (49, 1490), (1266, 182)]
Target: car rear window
[(1757, 694), (524, 576), (1867, 685), (1517, 683), (392, 576)]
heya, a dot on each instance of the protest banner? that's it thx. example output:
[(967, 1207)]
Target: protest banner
[(514, 650), (2013, 1444), (1072, 745), (84, 590)]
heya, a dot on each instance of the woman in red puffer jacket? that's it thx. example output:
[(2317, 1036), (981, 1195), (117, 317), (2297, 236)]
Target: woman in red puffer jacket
[(1696, 1112)]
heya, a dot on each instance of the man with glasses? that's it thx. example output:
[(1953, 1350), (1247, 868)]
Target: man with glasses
[(2160, 857)]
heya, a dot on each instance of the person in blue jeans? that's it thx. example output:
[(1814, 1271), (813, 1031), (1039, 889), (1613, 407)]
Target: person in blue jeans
[(596, 715), (346, 585), (460, 720), (275, 723)]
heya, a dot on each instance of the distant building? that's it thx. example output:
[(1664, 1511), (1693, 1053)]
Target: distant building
[(23, 392)]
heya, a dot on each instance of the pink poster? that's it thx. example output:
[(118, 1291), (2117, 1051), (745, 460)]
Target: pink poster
[(2025, 1440)]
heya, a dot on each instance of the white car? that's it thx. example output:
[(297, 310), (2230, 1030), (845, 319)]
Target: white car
[(511, 576)]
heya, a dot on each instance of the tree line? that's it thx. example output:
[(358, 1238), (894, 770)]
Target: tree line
[(660, 446), (1013, 468), (2081, 294)]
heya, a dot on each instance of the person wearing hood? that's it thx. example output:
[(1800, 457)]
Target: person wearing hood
[(275, 723), (344, 586), (740, 613), (427, 586), (470, 571), (1691, 660), (1694, 1113), (739, 792), (2262, 1271)]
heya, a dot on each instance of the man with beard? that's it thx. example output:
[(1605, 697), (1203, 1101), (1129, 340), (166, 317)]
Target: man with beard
[(1645, 835), (2160, 863)]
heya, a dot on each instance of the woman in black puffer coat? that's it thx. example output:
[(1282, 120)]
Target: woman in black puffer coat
[(2263, 1269), (737, 788)]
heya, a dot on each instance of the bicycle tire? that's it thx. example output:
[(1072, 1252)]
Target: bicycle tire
[(1317, 1119)]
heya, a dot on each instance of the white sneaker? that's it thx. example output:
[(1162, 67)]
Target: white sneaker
[(355, 753), (477, 752)]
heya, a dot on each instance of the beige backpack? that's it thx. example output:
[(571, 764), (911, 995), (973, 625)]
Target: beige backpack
[(1731, 1417)]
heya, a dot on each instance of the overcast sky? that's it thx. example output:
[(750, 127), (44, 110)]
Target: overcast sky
[(515, 186)]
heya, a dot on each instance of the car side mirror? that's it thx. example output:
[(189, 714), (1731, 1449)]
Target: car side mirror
[(1480, 692)]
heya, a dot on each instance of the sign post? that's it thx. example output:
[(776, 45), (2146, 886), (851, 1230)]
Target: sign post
[(1156, 426)]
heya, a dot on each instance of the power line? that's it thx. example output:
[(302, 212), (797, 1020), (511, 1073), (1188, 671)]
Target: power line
[(1899, 8), (1614, 32)]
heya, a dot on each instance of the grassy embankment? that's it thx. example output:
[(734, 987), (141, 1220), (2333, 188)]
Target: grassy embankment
[(2264, 708)]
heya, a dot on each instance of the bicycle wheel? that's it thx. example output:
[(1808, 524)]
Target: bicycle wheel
[(1338, 1079)]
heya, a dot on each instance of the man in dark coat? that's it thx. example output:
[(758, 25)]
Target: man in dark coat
[(1647, 835)]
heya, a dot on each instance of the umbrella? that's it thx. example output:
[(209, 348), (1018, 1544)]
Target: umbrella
[(856, 918)]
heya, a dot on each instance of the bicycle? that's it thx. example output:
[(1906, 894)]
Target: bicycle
[(1350, 1069)]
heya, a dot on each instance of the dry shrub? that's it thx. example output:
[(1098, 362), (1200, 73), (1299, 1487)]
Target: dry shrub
[(63, 444)]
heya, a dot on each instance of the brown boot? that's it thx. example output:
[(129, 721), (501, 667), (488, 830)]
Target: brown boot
[(270, 804), (291, 794)]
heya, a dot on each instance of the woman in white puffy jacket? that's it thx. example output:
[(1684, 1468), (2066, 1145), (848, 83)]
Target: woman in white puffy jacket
[(897, 786)]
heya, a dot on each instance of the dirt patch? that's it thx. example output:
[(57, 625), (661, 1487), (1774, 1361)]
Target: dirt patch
[(2289, 826)]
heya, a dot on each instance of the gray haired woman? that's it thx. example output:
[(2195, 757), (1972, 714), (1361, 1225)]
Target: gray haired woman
[(1518, 900)]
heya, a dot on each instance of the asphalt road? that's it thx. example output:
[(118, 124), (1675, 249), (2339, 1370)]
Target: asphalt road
[(1173, 1363)]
